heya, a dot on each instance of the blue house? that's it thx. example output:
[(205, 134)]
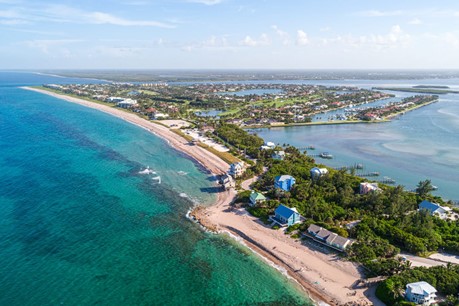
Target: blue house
[(284, 182), (285, 216), (434, 209)]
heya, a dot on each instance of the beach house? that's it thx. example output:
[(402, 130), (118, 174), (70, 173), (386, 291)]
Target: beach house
[(256, 198), (434, 209), (226, 181), (285, 216), (421, 293), (127, 103), (278, 155), (368, 187), (284, 182), (329, 238), (318, 172), (236, 169)]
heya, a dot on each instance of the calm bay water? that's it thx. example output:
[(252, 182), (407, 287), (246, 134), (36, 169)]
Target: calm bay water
[(422, 144), (81, 226)]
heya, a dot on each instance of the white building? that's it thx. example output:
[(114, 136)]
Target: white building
[(318, 172), (126, 103), (421, 293), (236, 169), (278, 155), (268, 146), (368, 187)]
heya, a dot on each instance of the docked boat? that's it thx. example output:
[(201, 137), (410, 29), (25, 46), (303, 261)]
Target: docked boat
[(326, 155)]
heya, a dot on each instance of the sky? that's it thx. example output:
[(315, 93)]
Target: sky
[(229, 34)]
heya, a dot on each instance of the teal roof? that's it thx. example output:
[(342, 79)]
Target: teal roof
[(256, 196)]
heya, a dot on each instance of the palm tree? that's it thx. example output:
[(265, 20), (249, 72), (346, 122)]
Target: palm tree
[(424, 187)]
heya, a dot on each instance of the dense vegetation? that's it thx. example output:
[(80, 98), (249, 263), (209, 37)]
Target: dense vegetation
[(239, 138), (388, 220), (444, 279)]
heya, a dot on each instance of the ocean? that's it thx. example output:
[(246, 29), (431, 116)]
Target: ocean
[(81, 226)]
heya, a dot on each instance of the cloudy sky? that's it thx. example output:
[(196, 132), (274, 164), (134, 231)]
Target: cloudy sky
[(261, 34)]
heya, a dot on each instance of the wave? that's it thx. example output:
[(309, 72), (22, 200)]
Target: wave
[(182, 173), (147, 170)]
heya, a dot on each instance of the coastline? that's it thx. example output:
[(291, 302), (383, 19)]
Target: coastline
[(209, 161), (325, 278)]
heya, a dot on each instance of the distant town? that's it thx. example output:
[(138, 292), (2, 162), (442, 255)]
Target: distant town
[(247, 105)]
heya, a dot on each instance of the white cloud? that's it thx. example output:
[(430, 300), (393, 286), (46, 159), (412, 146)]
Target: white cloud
[(206, 2), (212, 43), (66, 14), (377, 13), (301, 38), (250, 42), (44, 45), (415, 21), (285, 38), (104, 18), (395, 38)]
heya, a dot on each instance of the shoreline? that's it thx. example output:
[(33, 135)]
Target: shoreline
[(323, 277)]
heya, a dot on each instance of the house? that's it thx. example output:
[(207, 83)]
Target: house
[(329, 238), (159, 116), (284, 182), (268, 146), (256, 197), (115, 99), (285, 216), (126, 103), (421, 293), (278, 155), (226, 181), (236, 169), (368, 187), (318, 172), (435, 210)]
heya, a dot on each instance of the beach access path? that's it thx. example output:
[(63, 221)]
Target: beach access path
[(325, 277)]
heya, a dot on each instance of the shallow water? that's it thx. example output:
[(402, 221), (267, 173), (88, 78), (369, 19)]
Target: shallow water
[(422, 144)]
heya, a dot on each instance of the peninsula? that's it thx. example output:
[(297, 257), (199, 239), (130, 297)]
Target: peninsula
[(329, 229)]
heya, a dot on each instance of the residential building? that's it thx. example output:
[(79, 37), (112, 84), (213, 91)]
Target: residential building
[(268, 146), (285, 216), (284, 182), (318, 172), (256, 198), (226, 181), (278, 155), (236, 169), (368, 187), (329, 238), (421, 293), (126, 103), (435, 210)]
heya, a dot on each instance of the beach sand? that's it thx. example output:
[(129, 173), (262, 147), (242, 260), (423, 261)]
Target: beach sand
[(325, 277)]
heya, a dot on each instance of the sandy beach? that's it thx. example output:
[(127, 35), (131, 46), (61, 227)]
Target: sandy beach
[(325, 277)]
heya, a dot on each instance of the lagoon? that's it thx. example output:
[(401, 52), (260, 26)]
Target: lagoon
[(422, 144)]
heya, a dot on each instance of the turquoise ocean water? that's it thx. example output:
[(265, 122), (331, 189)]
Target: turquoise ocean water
[(81, 226)]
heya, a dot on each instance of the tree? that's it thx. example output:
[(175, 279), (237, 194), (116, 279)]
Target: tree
[(424, 188)]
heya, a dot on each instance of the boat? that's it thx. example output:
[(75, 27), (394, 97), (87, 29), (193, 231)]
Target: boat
[(326, 155)]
